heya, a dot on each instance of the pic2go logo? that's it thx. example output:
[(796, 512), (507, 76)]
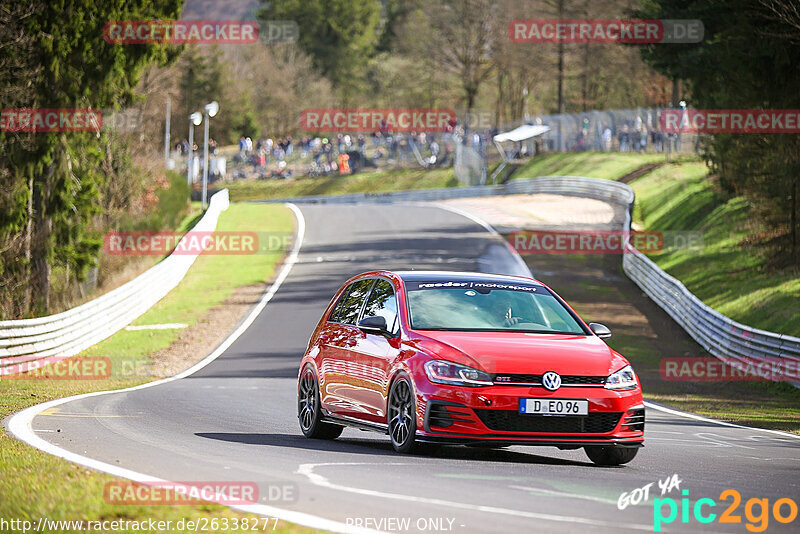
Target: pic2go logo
[(756, 511)]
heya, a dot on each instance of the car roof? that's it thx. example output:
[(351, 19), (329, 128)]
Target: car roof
[(460, 276)]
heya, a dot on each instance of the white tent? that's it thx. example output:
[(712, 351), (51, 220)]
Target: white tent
[(523, 133), (517, 135)]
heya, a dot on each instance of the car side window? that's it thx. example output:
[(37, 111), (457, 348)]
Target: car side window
[(337, 308), (352, 304), (382, 303)]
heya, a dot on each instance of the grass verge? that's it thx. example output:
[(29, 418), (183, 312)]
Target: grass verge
[(608, 165), (364, 182), (727, 272), (208, 283), (35, 484)]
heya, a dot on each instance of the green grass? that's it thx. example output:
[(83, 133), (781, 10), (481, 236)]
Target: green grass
[(209, 282), (364, 182), (608, 165), (34, 484), (726, 273)]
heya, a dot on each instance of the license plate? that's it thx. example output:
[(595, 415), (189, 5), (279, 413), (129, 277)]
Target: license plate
[(554, 406)]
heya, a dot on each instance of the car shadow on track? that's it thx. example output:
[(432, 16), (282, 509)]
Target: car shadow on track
[(384, 448), (297, 441)]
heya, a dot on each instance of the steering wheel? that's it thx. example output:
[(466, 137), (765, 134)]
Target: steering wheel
[(511, 321)]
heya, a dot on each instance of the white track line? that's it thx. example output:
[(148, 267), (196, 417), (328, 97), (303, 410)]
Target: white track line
[(321, 481), (19, 425), (554, 493), (688, 415)]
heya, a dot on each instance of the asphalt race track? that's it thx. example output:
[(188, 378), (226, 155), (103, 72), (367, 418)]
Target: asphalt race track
[(235, 419)]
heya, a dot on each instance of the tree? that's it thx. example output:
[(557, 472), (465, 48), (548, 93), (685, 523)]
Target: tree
[(274, 82), (460, 37), (17, 66), (744, 61), (62, 170), (339, 35)]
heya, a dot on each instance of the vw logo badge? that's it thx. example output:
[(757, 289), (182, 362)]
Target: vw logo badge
[(551, 381)]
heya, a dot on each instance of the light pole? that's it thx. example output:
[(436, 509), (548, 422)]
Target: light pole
[(166, 132), (194, 120), (209, 111)]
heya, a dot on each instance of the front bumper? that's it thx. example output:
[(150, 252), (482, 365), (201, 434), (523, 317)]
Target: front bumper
[(491, 414)]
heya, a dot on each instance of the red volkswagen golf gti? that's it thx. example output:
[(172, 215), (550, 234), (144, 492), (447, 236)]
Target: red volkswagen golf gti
[(471, 359)]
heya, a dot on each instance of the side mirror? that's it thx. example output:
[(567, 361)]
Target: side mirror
[(600, 330), (373, 325)]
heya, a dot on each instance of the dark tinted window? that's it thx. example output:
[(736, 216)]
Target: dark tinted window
[(381, 302), (352, 304), (337, 309)]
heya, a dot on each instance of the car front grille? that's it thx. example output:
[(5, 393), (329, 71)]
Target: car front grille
[(513, 421), (566, 380)]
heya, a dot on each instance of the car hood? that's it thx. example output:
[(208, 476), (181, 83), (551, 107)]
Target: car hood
[(524, 353)]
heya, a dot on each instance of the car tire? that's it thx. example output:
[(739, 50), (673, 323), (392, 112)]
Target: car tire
[(309, 412), (401, 415), (610, 456)]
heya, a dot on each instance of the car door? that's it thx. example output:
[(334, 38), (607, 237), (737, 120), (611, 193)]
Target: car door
[(374, 354), (341, 380), (327, 342)]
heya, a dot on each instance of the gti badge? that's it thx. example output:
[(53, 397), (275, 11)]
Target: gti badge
[(551, 381), (502, 379)]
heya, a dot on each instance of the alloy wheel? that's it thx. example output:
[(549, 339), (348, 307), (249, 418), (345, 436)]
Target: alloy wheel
[(402, 417)]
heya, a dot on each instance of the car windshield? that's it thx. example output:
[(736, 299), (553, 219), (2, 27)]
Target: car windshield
[(488, 306)]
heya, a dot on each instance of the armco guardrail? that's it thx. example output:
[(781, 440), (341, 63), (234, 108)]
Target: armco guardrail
[(566, 185), (65, 334), (721, 336)]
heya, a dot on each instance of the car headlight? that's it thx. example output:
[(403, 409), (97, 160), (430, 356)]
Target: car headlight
[(454, 374), (625, 378)]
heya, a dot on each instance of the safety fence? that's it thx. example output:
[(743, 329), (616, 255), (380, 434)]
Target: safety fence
[(54, 337), (614, 130)]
